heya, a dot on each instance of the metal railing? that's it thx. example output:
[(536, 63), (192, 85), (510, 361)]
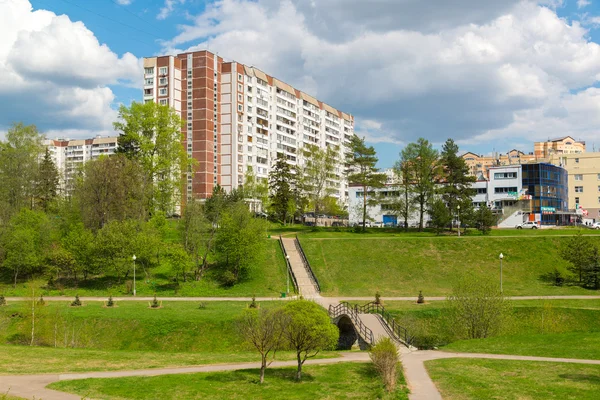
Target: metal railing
[(311, 274), (289, 266), (400, 333), (346, 309)]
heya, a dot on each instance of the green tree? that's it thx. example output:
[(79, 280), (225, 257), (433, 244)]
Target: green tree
[(198, 235), (115, 247), (591, 273), (404, 204), (440, 215), (256, 190), (456, 189), (240, 240), (423, 170), (19, 156), (151, 134), (179, 261), (485, 219), (361, 162), (263, 330), (47, 181), (80, 244), (25, 243), (62, 261), (385, 360), (308, 330), (578, 251), (280, 184), (111, 188), (477, 309), (317, 173)]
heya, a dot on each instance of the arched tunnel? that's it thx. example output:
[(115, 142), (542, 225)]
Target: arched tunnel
[(348, 334)]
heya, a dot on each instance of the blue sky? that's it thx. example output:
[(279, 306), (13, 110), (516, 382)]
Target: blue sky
[(492, 75)]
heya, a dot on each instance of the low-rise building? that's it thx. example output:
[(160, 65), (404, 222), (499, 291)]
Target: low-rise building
[(560, 146)]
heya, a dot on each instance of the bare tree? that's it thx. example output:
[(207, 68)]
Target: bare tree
[(264, 331)]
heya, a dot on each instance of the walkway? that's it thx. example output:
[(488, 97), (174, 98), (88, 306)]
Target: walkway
[(305, 284), (34, 386)]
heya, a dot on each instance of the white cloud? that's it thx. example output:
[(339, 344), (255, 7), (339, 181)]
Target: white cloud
[(54, 72), (168, 8), (583, 3), (456, 78), (124, 2)]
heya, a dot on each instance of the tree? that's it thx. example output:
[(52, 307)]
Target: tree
[(485, 219), (404, 205), (25, 243), (308, 330), (46, 184), (456, 189), (440, 215), (384, 356), (151, 134), (578, 251), (111, 189), (591, 274), (280, 185), (256, 190), (361, 161), (423, 170), (115, 246), (80, 244), (317, 173), (477, 308), (19, 156), (179, 261), (197, 234), (262, 329), (239, 241)]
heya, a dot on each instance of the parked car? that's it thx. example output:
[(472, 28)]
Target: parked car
[(527, 225), (596, 225)]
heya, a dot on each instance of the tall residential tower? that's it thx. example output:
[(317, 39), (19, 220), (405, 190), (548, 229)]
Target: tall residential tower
[(237, 119)]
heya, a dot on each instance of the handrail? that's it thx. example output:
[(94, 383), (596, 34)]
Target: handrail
[(311, 274), (346, 309), (401, 333), (289, 265)]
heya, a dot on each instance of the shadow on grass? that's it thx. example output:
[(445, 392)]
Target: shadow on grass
[(253, 376), (582, 378)]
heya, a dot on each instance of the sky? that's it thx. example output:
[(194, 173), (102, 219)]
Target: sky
[(492, 75)]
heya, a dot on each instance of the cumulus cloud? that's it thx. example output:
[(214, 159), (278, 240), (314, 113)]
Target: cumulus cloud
[(168, 8), (54, 72), (583, 3), (455, 73)]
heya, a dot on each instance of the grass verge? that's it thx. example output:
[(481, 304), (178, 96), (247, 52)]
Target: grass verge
[(466, 379), (336, 381)]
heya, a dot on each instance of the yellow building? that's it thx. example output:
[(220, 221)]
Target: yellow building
[(564, 145), (584, 181), (479, 164)]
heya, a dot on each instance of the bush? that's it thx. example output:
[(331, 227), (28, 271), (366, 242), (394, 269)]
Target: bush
[(41, 301), (155, 303), (385, 360), (421, 299), (377, 298), (228, 279), (110, 302), (76, 302), (2, 300), (254, 304)]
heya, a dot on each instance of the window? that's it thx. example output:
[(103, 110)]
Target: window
[(505, 175), (240, 77), (599, 177), (239, 97), (150, 81), (162, 92), (240, 88), (578, 177), (149, 71), (481, 190), (578, 189), (162, 81), (577, 161), (163, 102), (163, 70), (239, 107), (249, 109), (576, 200), (505, 189)]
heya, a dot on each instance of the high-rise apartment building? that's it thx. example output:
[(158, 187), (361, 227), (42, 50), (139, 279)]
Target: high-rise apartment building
[(238, 119), (68, 155)]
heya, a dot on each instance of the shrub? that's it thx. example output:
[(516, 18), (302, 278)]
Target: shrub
[(558, 277), (228, 279), (202, 306), (2, 300), (110, 302), (254, 304), (41, 301), (76, 302), (155, 303), (421, 299), (377, 298), (385, 360)]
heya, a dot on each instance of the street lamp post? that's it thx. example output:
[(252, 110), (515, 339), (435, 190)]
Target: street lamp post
[(288, 274), (458, 208), (501, 257), (134, 258)]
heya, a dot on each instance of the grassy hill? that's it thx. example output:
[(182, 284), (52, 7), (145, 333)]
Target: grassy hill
[(402, 266)]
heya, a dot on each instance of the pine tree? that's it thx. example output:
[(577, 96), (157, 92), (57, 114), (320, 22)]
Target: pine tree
[(2, 300), (76, 302), (281, 181), (46, 185), (110, 302), (361, 162)]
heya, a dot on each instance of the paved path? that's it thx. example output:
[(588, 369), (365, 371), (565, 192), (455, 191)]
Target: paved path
[(423, 388), (34, 386), (317, 297)]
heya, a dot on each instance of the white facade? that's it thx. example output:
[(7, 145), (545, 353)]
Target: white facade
[(262, 116), (503, 188), (69, 155)]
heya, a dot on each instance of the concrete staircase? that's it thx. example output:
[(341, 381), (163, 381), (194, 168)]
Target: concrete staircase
[(306, 287)]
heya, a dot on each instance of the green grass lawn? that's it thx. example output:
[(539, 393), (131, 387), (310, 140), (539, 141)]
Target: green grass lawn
[(267, 278), (325, 382), (464, 379), (403, 266), (177, 327)]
